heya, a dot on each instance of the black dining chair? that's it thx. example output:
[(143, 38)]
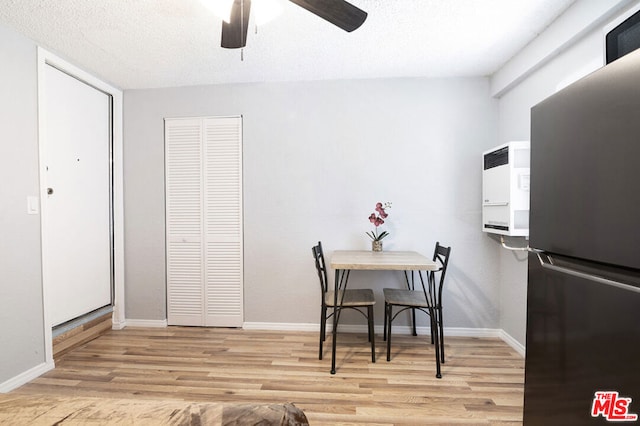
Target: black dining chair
[(427, 299), (356, 299)]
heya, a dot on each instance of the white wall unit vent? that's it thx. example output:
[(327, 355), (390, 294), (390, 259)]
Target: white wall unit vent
[(505, 189)]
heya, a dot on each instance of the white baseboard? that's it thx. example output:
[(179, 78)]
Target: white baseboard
[(284, 326), (118, 325), (362, 328), (27, 376), (144, 323), (281, 326), (517, 346)]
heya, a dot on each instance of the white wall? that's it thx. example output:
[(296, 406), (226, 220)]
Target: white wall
[(317, 157), (21, 334)]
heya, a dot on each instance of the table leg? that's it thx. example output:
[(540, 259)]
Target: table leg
[(411, 285), (335, 323)]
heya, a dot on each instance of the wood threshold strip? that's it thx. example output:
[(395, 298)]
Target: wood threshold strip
[(80, 335)]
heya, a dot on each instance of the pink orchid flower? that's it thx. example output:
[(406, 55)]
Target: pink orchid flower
[(381, 211), (378, 220)]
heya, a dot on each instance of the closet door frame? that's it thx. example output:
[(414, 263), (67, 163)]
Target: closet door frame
[(45, 59)]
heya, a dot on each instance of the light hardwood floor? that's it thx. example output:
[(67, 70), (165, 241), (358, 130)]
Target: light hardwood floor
[(482, 379)]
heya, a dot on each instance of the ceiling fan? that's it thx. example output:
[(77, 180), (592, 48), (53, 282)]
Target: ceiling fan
[(337, 12)]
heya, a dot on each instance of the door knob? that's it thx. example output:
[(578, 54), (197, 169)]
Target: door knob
[(49, 191)]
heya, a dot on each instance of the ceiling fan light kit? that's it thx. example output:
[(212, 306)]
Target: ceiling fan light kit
[(220, 8), (235, 14), (266, 11)]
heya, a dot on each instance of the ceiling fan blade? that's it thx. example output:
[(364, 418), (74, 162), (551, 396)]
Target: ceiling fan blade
[(338, 12), (234, 33)]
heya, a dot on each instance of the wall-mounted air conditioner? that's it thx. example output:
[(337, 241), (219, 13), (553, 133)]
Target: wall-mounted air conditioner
[(505, 189)]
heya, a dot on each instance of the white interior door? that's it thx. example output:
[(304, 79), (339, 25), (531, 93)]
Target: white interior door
[(222, 177), (77, 233), (203, 175), (183, 186)]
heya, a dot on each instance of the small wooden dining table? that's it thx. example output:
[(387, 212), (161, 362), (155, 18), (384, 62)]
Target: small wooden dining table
[(345, 261)]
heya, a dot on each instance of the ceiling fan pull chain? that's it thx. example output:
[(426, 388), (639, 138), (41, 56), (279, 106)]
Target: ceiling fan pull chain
[(243, 34)]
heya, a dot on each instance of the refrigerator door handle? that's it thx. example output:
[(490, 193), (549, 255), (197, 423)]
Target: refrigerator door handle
[(548, 264)]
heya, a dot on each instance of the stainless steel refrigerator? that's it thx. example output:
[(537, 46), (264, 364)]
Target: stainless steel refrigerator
[(583, 296)]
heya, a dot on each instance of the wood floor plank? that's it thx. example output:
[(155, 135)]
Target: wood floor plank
[(482, 379)]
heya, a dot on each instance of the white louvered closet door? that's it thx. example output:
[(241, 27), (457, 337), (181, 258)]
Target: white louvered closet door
[(223, 221), (204, 221)]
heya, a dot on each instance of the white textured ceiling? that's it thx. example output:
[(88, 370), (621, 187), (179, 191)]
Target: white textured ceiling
[(162, 43)]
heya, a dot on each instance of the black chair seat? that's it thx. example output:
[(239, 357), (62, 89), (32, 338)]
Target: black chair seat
[(351, 298), (396, 296)]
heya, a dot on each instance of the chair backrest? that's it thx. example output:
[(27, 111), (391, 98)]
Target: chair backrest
[(321, 267), (441, 255)]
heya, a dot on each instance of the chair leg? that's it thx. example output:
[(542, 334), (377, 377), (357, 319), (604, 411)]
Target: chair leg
[(384, 328), (323, 328), (372, 337), (434, 324), (389, 310), (369, 318), (441, 334), (433, 312), (413, 319)]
